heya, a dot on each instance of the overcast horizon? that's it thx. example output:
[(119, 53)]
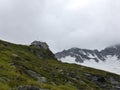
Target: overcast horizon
[(63, 24)]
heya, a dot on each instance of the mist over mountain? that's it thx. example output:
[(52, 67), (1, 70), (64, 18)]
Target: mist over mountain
[(61, 23)]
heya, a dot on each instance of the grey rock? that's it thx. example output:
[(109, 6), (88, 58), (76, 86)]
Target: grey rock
[(99, 80), (117, 87), (113, 81), (36, 76), (40, 45), (30, 87)]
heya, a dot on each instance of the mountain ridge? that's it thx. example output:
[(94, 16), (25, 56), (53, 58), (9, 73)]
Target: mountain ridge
[(34, 68), (86, 57)]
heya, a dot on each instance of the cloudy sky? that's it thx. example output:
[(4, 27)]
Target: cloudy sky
[(61, 23)]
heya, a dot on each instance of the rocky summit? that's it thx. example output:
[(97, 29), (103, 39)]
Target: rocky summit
[(35, 67), (39, 44)]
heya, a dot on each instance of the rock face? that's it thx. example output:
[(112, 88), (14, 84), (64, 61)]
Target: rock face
[(41, 50), (39, 44), (85, 54)]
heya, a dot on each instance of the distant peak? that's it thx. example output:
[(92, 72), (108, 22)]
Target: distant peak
[(75, 48), (117, 46)]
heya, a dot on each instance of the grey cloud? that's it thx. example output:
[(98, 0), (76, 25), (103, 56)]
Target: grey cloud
[(95, 25)]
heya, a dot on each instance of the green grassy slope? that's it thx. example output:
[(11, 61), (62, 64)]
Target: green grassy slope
[(20, 66)]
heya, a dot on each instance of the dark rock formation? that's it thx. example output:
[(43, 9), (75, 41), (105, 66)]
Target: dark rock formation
[(39, 44), (41, 50)]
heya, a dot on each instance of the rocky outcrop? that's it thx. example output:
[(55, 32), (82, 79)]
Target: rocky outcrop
[(40, 45), (41, 50)]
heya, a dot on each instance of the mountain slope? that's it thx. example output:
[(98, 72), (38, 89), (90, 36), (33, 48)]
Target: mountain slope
[(34, 67), (107, 59)]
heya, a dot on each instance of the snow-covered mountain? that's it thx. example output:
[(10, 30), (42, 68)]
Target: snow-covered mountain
[(107, 59)]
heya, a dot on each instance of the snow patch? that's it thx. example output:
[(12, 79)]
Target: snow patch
[(82, 52), (91, 56), (68, 59), (111, 64)]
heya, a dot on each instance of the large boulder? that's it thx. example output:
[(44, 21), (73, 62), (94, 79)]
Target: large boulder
[(41, 50), (39, 44)]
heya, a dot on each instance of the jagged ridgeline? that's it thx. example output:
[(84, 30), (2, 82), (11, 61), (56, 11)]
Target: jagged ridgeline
[(35, 67)]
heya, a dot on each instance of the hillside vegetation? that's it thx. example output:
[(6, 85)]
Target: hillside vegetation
[(23, 67)]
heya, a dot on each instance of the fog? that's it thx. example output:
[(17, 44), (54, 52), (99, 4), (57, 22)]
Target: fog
[(92, 24)]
